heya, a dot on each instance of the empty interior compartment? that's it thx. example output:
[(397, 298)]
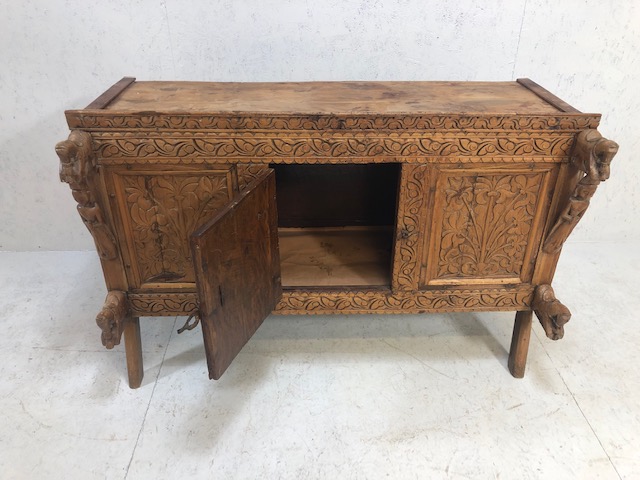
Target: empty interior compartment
[(336, 223)]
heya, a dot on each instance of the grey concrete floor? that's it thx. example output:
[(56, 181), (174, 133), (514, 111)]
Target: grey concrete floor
[(366, 396)]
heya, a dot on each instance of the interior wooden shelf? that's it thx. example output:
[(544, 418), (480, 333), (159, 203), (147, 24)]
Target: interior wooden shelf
[(335, 256)]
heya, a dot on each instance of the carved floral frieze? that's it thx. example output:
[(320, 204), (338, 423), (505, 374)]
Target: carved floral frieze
[(300, 146), (163, 304), (366, 301), (330, 122)]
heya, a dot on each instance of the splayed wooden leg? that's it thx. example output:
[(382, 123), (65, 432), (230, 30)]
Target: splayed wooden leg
[(133, 348), (520, 343)]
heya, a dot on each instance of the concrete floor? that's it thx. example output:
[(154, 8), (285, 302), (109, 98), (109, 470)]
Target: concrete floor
[(321, 397)]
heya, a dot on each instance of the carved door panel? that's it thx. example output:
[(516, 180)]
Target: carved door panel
[(485, 224), (158, 209), (237, 268)]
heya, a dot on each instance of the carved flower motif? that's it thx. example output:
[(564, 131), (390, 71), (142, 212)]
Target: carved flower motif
[(486, 224), (164, 210)]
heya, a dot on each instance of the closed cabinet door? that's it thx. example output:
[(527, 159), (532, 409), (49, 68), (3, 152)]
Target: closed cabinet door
[(483, 225), (158, 207)]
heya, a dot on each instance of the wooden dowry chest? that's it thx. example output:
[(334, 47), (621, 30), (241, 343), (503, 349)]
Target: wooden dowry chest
[(229, 201)]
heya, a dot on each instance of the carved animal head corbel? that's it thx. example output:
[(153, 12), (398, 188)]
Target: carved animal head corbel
[(593, 155), (112, 317), (75, 159), (552, 314)]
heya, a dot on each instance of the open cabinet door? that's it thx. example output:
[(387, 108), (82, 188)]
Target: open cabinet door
[(237, 266)]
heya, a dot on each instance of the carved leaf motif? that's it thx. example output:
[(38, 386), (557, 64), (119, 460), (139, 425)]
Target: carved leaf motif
[(296, 145), (410, 217), (163, 304), (304, 302), (486, 224), (309, 302), (349, 122), (164, 210), (247, 172)]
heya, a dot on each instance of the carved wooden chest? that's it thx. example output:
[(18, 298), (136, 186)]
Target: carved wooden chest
[(227, 201)]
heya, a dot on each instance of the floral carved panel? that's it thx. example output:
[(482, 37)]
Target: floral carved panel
[(485, 225), (161, 210)]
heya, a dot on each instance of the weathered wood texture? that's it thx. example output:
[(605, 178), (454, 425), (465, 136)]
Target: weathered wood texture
[(547, 96), (157, 210), (479, 184), (109, 96), (237, 271), (336, 256), (332, 97)]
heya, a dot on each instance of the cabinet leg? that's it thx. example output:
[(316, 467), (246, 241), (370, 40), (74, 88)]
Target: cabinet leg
[(133, 348), (520, 343)]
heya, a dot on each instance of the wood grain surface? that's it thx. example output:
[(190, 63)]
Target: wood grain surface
[(331, 98), (337, 256), (237, 269)]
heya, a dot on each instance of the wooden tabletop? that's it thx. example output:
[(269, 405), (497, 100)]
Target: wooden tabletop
[(337, 98)]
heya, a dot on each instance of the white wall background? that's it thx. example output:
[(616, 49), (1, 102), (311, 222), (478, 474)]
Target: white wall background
[(61, 54)]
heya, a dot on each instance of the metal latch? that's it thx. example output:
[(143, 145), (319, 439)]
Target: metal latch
[(192, 325)]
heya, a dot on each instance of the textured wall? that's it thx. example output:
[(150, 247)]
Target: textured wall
[(62, 54)]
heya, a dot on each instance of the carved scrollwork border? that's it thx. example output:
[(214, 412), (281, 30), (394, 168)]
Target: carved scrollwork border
[(449, 300), (185, 121), (298, 146), (163, 304), (356, 301), (413, 191), (206, 160)]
